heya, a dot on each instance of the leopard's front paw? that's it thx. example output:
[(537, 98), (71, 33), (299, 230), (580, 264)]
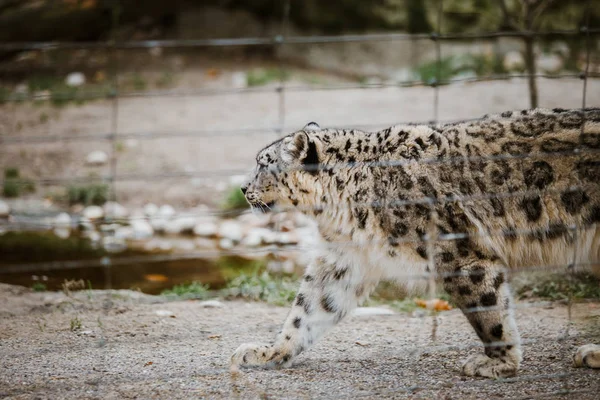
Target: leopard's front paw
[(587, 356), (482, 365), (249, 354)]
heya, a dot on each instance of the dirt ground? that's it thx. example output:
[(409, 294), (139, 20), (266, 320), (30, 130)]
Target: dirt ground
[(131, 345), (210, 138)]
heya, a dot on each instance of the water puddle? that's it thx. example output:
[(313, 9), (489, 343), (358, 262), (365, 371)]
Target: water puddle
[(44, 261)]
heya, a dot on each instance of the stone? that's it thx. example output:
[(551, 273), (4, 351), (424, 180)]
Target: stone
[(164, 313), (239, 80), (550, 63), (206, 229), (96, 158), (226, 244), (114, 245), (204, 243), (114, 210), (150, 209), (370, 311), (231, 230), (513, 60), (124, 232), (93, 212), (62, 220), (4, 209), (141, 229), (166, 211), (75, 79), (258, 236), (211, 304), (179, 225), (62, 233)]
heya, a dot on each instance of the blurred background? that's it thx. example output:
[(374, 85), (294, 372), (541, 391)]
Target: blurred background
[(126, 127)]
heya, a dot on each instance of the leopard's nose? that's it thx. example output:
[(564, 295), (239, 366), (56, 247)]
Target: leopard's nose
[(244, 189)]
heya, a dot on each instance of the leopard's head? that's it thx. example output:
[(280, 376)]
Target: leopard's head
[(285, 170)]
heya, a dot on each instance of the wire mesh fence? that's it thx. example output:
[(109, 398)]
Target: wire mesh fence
[(114, 176)]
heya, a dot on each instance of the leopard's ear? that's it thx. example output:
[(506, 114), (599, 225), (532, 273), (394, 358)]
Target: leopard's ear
[(294, 147), (301, 147)]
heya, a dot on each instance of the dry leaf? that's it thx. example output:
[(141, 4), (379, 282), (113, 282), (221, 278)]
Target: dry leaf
[(214, 337), (213, 72), (156, 277), (434, 304), (148, 363)]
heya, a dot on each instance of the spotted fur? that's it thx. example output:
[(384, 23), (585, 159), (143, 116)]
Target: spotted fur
[(514, 190)]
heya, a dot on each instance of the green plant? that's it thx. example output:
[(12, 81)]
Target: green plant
[(14, 185), (264, 287), (75, 324), (39, 287), (433, 71), (193, 290), (166, 79), (235, 200), (138, 82), (560, 287), (94, 193), (260, 77)]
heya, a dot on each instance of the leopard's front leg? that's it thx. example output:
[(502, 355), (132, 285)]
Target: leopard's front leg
[(327, 294)]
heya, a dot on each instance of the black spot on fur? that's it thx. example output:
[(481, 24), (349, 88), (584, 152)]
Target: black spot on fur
[(532, 206), (498, 207), (489, 299), (297, 322), (517, 148), (328, 304), (340, 273), (574, 200), (447, 257), (426, 187), (506, 114), (287, 337), (399, 229), (422, 252), (477, 274), (557, 146), (464, 247), (594, 215), (308, 278), (496, 331), (470, 305), (539, 175), (588, 170), (361, 216), (286, 358), (498, 280), (300, 300), (464, 291)]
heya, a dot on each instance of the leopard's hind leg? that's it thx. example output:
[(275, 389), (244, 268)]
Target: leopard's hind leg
[(477, 284)]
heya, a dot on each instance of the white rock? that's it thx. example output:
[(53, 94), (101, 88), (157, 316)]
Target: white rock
[(93, 212), (4, 209), (113, 244), (62, 233), (179, 225), (150, 209), (231, 230), (75, 79), (158, 245), (550, 63), (205, 243), (369, 311), (93, 236), (166, 211), (124, 232), (158, 223), (239, 80), (513, 60), (210, 304), (286, 238), (96, 158), (257, 237), (164, 313), (114, 210), (206, 229), (62, 220), (141, 229), (288, 266), (184, 245), (253, 220), (226, 244)]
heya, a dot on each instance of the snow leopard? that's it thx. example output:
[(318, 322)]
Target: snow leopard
[(465, 203)]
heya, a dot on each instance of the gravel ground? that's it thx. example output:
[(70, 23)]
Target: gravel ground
[(132, 345)]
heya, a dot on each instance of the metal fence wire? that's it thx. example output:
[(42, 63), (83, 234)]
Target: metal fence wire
[(585, 33)]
